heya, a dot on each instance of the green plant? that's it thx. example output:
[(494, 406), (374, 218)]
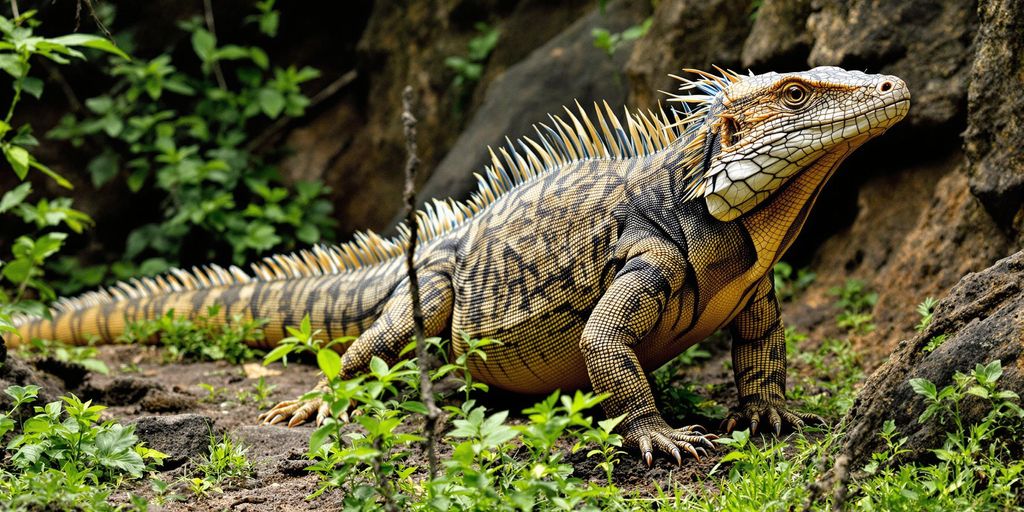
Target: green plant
[(679, 399), (213, 393), (205, 337), (469, 68), (927, 310), (20, 47), (227, 460), (259, 395), (978, 466), (191, 136), (856, 303), (64, 457), (84, 356), (788, 285), (935, 342), (610, 42)]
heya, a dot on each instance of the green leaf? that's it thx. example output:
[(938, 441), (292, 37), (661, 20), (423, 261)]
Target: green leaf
[(204, 44), (18, 157), (279, 352), (924, 387), (103, 168), (100, 104), (15, 196), (414, 406), (378, 367), (51, 173), (33, 86), (329, 362), (90, 41), (271, 101)]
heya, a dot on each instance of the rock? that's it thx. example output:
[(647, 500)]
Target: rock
[(15, 372), (356, 144), (925, 42), (182, 437), (995, 132), (779, 39), (567, 67), (686, 34), (282, 449), (150, 395), (983, 319)]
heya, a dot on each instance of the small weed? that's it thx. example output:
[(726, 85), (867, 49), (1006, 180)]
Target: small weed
[(258, 396), (84, 356), (469, 68), (205, 337), (935, 342), (213, 394), (227, 460), (856, 303), (926, 309), (787, 285), (610, 42), (977, 468), (63, 457)]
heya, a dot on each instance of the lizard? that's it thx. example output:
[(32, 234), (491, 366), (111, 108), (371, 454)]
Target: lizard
[(596, 251)]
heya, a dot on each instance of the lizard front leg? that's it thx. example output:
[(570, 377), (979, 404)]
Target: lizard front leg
[(625, 314), (385, 339), (759, 365)]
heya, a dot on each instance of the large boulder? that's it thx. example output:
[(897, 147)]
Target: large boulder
[(566, 68), (983, 321), (995, 132)]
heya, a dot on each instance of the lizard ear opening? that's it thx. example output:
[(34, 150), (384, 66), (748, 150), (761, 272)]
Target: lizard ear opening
[(729, 130)]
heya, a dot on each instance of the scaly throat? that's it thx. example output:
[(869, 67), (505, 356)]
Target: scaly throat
[(774, 224)]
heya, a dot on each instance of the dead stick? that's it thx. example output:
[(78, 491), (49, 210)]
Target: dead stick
[(426, 390), (217, 73)]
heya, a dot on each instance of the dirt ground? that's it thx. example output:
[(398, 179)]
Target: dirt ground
[(175, 412)]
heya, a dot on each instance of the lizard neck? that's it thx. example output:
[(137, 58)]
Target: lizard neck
[(774, 224)]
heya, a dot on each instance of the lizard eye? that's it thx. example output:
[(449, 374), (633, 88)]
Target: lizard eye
[(795, 95)]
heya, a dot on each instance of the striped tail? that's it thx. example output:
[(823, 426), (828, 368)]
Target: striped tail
[(340, 301)]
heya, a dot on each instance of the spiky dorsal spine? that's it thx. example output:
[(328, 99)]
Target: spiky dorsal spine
[(560, 142)]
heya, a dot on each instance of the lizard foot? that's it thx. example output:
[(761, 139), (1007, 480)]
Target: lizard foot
[(297, 411), (757, 412), (649, 433)]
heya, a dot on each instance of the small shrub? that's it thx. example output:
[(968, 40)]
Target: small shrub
[(205, 337)]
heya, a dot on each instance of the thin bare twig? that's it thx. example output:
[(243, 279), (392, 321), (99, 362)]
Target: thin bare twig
[(14, 9), (95, 17), (426, 390), (212, 27)]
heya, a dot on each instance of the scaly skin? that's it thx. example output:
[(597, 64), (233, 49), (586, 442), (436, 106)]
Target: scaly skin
[(618, 248)]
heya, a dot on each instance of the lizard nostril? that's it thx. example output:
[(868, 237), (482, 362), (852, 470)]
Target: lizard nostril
[(885, 86)]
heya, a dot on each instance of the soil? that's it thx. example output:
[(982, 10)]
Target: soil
[(175, 414)]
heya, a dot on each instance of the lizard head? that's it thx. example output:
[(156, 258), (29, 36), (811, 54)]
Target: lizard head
[(758, 131)]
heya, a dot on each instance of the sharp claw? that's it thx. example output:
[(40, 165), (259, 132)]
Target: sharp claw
[(753, 426), (701, 451), (297, 419), (678, 456), (276, 419), (730, 424), (648, 458), (688, 447), (778, 428)]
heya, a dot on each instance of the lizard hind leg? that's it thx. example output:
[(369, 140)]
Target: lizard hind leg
[(385, 338)]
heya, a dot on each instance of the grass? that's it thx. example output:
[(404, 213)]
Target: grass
[(558, 454)]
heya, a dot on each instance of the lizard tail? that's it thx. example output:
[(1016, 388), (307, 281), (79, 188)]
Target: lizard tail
[(340, 303)]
